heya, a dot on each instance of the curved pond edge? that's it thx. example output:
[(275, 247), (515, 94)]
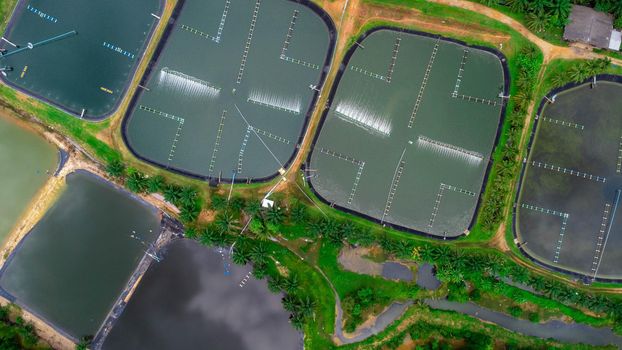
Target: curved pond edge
[(346, 59), (332, 34), (543, 103), (77, 114), (572, 333)]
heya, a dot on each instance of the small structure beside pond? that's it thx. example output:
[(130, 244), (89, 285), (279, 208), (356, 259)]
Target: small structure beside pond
[(595, 28)]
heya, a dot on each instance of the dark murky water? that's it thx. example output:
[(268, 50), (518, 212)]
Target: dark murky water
[(188, 302)]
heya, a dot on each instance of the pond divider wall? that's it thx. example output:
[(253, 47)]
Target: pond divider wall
[(154, 60), (170, 229), (342, 68)]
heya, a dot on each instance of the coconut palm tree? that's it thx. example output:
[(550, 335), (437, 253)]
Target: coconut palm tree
[(537, 21), (259, 253), (137, 182), (189, 213), (290, 303), (236, 204), (297, 321), (156, 184), (275, 215), (291, 283), (253, 206), (225, 221), (519, 6), (539, 5), (561, 10), (305, 306), (260, 270), (240, 256), (559, 79), (578, 73), (209, 236), (172, 193), (115, 168), (188, 196), (299, 212), (489, 2), (521, 99), (191, 233), (218, 202)]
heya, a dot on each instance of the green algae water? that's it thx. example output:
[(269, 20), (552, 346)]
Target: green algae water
[(27, 162), (408, 135), (230, 92), (72, 266), (78, 55)]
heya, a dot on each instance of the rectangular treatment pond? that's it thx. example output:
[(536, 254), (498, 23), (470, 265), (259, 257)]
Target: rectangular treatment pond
[(27, 163), (231, 87), (77, 55), (568, 214), (407, 138), (70, 269)]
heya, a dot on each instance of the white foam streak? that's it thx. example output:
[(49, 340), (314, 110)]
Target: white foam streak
[(449, 151), (363, 117), (282, 103), (186, 85)]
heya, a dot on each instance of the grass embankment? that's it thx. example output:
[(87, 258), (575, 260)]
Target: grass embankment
[(309, 294)]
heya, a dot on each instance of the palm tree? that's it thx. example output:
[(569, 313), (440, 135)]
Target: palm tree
[(137, 182), (305, 306), (519, 6), (274, 284), (348, 229), (260, 270), (191, 233), (506, 168), (116, 168), (297, 321), (240, 256), (559, 79), (521, 99), (219, 202), (237, 204), (252, 207), (537, 21), (490, 2), (290, 303), (259, 253), (225, 221), (188, 195), (172, 193), (299, 212), (291, 284), (189, 213), (156, 184), (561, 10), (539, 5), (209, 236), (578, 73), (275, 215)]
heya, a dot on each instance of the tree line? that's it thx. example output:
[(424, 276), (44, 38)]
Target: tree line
[(543, 15)]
